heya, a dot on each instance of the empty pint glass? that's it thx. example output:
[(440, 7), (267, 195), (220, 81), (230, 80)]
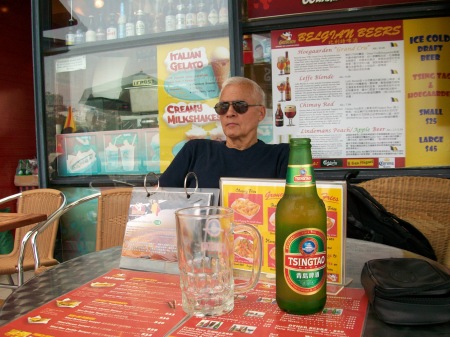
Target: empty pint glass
[(205, 237)]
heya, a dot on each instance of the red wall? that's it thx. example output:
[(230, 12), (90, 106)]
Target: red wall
[(17, 122)]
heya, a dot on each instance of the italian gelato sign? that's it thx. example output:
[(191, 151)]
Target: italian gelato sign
[(188, 88)]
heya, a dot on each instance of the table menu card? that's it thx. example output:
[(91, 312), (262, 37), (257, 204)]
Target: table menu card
[(150, 241), (136, 303), (254, 202)]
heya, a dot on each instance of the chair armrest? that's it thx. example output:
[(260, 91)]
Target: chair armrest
[(52, 218)]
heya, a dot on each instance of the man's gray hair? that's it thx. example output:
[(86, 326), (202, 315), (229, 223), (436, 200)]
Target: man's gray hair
[(256, 90)]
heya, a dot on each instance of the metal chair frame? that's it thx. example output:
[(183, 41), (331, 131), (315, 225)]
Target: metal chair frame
[(55, 216), (32, 233)]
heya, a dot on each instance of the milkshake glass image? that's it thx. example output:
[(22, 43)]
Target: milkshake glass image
[(155, 147), (112, 157), (127, 154)]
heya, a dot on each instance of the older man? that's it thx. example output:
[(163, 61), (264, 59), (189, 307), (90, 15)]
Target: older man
[(241, 108)]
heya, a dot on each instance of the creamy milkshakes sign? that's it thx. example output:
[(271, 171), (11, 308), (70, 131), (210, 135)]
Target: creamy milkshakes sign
[(188, 88)]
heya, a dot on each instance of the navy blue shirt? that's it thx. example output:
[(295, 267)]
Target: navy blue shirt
[(210, 160)]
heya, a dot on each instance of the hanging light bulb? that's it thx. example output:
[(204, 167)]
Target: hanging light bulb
[(99, 3)]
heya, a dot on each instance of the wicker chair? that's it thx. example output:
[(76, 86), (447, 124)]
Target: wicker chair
[(20, 259), (39, 265), (422, 201), (112, 217)]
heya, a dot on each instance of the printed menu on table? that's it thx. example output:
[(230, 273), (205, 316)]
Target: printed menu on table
[(256, 313), (150, 241), (119, 303), (135, 303)]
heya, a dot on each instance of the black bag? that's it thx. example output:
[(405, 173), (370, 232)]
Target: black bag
[(368, 220), (407, 291)]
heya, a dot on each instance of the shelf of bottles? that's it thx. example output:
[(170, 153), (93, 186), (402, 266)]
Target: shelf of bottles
[(102, 23)]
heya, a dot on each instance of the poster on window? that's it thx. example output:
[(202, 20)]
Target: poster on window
[(189, 84), (369, 95)]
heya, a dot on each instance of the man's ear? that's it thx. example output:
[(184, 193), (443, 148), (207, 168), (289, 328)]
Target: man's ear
[(262, 113)]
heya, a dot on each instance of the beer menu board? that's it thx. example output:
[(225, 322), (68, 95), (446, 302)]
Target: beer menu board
[(369, 95), (254, 202), (135, 303)]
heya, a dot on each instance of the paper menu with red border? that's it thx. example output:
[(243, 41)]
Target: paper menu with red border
[(256, 313), (135, 303), (119, 303)]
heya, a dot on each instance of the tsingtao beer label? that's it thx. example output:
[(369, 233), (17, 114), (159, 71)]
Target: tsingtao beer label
[(300, 175), (305, 261)]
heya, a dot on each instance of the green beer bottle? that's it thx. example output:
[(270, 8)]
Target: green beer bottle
[(301, 237)]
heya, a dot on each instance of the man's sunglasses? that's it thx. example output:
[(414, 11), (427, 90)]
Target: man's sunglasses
[(240, 107)]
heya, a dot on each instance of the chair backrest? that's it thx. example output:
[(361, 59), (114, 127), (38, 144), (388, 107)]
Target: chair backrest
[(51, 219), (43, 200), (422, 201), (112, 216)]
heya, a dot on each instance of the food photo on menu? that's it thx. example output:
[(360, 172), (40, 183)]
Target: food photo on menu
[(247, 207), (67, 303), (248, 210), (38, 320)]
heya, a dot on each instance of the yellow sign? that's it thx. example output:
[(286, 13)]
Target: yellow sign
[(427, 87), (254, 202), (189, 83)]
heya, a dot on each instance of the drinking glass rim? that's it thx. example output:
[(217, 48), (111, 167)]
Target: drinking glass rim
[(203, 211)]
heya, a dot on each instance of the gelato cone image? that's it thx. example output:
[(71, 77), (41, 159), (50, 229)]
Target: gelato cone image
[(220, 62), (196, 132)]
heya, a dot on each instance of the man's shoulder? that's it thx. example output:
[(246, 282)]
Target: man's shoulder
[(203, 143), (282, 147)]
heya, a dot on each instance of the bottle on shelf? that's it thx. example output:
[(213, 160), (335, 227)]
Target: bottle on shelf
[(129, 26), (148, 16), (301, 236), (90, 33), (213, 14), (191, 15), (287, 70), (202, 14), (279, 117), (223, 11), (100, 34), (158, 17), (121, 22), (180, 17), (111, 30), (80, 37), (287, 90), (140, 22), (70, 36), (170, 19)]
